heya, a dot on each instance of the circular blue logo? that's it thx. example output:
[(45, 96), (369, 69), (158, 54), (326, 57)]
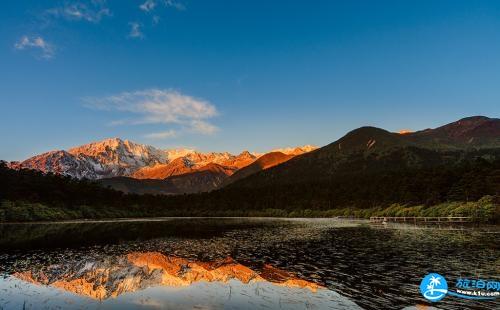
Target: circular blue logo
[(433, 287)]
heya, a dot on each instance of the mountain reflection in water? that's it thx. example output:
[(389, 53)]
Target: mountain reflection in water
[(238, 264), (146, 279), (136, 271)]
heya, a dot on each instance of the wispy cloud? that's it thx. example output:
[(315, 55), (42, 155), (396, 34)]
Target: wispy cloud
[(174, 4), (46, 49), (135, 30), (203, 127), (148, 6), (161, 135), (92, 11), (160, 106)]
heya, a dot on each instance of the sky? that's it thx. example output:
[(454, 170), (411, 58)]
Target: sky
[(234, 75)]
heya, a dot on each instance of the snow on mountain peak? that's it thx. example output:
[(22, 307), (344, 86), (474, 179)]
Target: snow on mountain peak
[(296, 150), (176, 153)]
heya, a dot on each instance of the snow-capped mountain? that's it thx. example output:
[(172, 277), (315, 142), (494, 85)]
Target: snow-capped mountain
[(296, 150), (116, 157), (107, 158)]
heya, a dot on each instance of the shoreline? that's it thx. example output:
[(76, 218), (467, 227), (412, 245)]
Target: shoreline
[(167, 218)]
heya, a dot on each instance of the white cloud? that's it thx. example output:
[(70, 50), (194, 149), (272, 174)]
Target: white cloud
[(161, 135), (150, 5), (174, 4), (92, 12), (135, 30), (203, 127), (47, 50), (147, 6), (160, 106)]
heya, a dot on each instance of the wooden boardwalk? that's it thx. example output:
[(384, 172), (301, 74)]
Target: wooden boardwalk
[(420, 219)]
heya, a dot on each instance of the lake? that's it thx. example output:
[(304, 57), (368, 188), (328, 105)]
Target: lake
[(238, 263)]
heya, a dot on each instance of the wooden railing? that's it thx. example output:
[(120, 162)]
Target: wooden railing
[(421, 219)]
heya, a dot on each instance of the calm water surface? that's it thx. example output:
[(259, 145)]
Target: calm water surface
[(238, 264)]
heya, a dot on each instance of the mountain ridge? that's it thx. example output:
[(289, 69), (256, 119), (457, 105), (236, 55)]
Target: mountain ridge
[(375, 150), (115, 157), (266, 161)]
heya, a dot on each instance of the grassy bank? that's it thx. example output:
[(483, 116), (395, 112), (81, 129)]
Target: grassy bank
[(483, 210)]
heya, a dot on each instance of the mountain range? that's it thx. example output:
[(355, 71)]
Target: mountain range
[(134, 167)]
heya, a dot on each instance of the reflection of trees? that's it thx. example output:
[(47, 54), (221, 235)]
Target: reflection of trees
[(51, 235)]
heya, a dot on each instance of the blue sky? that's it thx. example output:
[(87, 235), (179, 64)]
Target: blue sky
[(235, 75)]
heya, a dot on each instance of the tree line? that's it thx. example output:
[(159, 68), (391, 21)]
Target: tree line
[(28, 195)]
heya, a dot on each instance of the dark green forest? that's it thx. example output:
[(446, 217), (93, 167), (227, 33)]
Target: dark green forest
[(467, 188)]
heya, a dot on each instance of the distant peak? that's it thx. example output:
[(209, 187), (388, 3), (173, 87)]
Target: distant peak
[(307, 147), (368, 138), (107, 141), (296, 150), (467, 123), (245, 153), (112, 140), (369, 131), (474, 118)]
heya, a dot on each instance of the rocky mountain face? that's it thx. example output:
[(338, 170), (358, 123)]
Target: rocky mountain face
[(61, 162), (120, 157), (177, 166), (107, 158), (264, 162)]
